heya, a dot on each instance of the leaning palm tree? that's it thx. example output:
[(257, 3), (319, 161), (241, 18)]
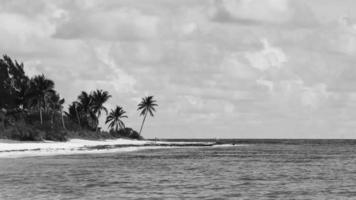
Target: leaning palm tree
[(99, 97), (40, 86), (115, 118), (146, 106)]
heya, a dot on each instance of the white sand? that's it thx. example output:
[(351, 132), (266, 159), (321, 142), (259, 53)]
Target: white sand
[(74, 143), (10, 149), (14, 149)]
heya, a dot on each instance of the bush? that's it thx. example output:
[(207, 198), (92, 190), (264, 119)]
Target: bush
[(27, 127), (22, 132), (88, 134), (126, 133), (57, 136)]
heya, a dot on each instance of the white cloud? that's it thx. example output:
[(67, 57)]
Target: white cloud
[(268, 57), (253, 11), (120, 80), (266, 83), (315, 95), (234, 64), (123, 23), (297, 93)]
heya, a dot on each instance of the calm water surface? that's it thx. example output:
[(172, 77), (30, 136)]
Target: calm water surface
[(253, 171)]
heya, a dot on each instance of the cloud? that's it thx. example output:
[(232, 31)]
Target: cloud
[(252, 11), (313, 96), (120, 80), (269, 12), (268, 57), (266, 83), (122, 23), (344, 38)]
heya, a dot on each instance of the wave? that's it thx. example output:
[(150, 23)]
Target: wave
[(53, 152), (77, 146)]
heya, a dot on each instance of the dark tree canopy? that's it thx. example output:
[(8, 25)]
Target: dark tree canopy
[(31, 108), (13, 83)]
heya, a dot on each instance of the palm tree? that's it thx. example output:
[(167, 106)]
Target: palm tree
[(60, 106), (76, 104), (84, 101), (114, 118), (73, 113), (146, 106), (83, 109), (56, 105), (99, 97), (52, 102), (40, 86)]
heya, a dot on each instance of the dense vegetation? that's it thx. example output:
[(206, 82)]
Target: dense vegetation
[(31, 109)]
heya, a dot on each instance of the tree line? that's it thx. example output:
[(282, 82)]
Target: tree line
[(29, 106)]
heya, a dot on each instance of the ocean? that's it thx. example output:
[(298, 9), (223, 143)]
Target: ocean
[(249, 169)]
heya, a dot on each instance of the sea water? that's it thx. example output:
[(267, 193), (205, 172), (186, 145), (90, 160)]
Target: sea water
[(250, 169)]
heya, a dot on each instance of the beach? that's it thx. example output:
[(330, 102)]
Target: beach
[(15, 149)]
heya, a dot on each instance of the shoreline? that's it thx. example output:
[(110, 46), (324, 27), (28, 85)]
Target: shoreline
[(15, 149)]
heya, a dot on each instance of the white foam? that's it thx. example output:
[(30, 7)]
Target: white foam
[(73, 146), (74, 143), (47, 152), (229, 145), (79, 146)]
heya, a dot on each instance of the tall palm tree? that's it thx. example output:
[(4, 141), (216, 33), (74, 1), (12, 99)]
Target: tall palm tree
[(99, 97), (83, 108), (85, 100), (40, 86), (55, 104), (73, 113), (76, 104), (60, 106), (52, 101), (146, 106), (115, 118)]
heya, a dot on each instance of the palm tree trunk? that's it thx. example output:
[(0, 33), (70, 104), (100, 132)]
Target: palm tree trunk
[(2, 118), (76, 111), (40, 109), (97, 123), (143, 123), (41, 116), (52, 119), (64, 127)]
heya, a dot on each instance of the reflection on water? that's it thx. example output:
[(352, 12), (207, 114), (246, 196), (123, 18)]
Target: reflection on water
[(256, 171)]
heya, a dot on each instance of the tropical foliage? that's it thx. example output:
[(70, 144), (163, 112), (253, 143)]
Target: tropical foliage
[(88, 108), (39, 93), (115, 118), (32, 109)]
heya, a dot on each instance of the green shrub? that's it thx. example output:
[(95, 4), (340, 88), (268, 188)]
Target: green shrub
[(22, 132), (126, 133)]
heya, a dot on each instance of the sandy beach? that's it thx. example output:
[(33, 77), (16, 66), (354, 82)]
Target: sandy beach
[(14, 149)]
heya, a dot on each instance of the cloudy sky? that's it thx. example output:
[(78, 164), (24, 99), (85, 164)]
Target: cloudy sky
[(218, 68)]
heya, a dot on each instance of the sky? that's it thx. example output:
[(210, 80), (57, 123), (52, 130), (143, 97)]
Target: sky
[(217, 68)]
